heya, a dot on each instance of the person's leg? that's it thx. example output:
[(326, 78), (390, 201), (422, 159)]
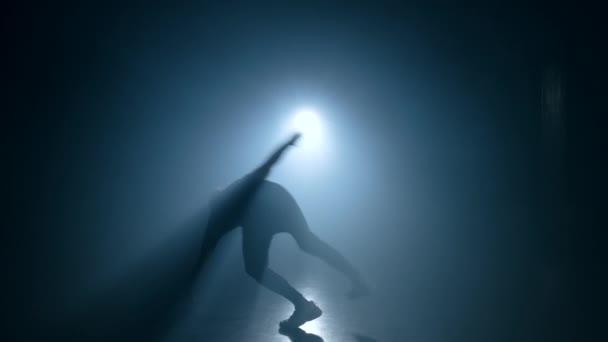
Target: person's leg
[(255, 253), (312, 244)]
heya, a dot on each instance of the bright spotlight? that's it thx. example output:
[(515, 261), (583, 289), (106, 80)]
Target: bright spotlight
[(308, 122), (313, 151)]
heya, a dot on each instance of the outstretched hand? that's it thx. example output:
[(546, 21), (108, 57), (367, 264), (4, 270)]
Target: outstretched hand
[(294, 139), (277, 154)]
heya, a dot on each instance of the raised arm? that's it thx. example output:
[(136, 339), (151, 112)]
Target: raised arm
[(264, 169)]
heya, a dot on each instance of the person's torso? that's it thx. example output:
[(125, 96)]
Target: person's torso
[(264, 206), (272, 208)]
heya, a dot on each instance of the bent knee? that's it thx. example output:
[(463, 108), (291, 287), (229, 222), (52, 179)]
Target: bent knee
[(255, 271), (309, 242)]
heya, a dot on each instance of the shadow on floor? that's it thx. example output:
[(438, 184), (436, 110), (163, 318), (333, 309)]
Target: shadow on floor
[(299, 335)]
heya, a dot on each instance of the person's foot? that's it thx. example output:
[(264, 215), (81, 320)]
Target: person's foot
[(359, 289), (297, 334), (304, 312)]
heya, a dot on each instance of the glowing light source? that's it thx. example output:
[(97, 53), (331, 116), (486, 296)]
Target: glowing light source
[(313, 151), (307, 122)]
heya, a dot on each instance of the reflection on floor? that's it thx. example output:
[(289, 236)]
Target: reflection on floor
[(239, 310)]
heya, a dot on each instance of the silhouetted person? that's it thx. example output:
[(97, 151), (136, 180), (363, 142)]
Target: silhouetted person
[(263, 209)]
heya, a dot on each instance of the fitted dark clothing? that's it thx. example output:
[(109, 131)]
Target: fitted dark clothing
[(263, 209)]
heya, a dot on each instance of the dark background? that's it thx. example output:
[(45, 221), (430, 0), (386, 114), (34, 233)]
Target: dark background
[(121, 118)]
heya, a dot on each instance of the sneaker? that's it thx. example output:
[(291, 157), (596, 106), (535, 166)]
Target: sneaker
[(303, 313), (297, 334)]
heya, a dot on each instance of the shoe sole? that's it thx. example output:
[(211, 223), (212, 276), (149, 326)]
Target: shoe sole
[(286, 324)]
